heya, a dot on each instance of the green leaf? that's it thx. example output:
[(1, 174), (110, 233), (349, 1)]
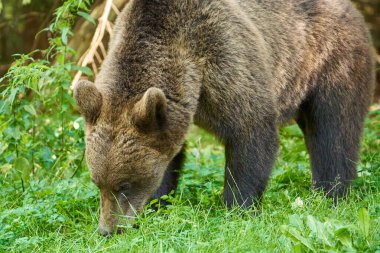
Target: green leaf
[(295, 236), (312, 224), (297, 248), (321, 230), (13, 132), (154, 201), (3, 147), (23, 166), (85, 70), (344, 236), (87, 17), (65, 32), (364, 221), (293, 130), (5, 168), (30, 109), (12, 96), (296, 221)]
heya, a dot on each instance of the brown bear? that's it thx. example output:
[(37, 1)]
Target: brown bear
[(239, 69)]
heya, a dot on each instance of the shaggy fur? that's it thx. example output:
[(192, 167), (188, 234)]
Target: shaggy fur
[(238, 68)]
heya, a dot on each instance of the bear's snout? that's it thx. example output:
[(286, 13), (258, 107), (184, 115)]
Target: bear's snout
[(117, 215)]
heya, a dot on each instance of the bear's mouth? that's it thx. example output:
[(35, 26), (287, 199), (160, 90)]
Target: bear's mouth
[(121, 223), (119, 216)]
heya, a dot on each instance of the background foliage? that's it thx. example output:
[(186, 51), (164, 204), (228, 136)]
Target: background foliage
[(39, 127), (49, 203)]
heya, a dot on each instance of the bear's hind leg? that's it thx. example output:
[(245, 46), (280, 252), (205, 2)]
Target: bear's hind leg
[(332, 122), (248, 165)]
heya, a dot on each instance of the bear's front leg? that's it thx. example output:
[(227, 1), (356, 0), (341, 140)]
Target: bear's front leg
[(249, 160), (171, 177)]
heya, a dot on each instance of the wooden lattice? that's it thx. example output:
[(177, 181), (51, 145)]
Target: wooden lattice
[(96, 53)]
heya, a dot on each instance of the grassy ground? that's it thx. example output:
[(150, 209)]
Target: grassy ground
[(62, 216)]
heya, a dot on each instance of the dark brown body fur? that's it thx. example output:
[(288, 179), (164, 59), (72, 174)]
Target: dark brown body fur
[(238, 69)]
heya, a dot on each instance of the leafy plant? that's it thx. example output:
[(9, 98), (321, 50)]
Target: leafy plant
[(309, 234), (39, 127)]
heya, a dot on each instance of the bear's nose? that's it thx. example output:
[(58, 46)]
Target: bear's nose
[(120, 231), (107, 233)]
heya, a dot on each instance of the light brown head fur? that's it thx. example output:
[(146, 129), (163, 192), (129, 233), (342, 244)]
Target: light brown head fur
[(127, 152)]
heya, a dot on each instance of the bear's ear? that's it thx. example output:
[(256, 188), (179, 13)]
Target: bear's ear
[(89, 100), (150, 112)]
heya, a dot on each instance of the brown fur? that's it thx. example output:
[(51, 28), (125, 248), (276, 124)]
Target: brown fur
[(238, 68)]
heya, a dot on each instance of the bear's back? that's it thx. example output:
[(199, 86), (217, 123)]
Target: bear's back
[(301, 37)]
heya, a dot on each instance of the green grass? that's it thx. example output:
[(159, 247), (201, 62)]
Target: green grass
[(62, 215)]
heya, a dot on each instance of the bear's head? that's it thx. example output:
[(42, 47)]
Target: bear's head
[(128, 149)]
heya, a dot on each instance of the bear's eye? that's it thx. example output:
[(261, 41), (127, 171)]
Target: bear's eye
[(125, 187)]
